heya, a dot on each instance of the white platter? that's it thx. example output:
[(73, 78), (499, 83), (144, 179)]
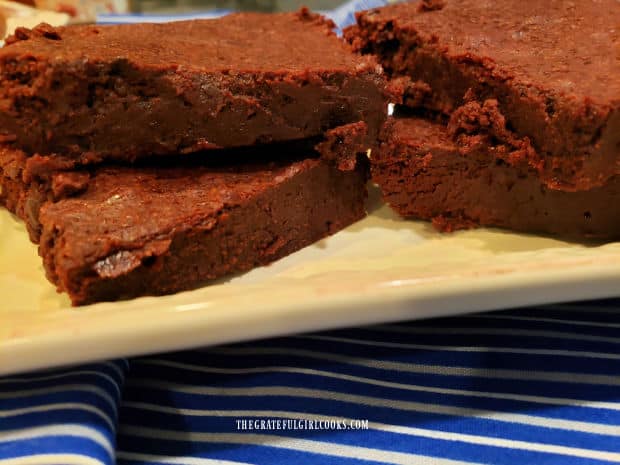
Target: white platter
[(378, 270)]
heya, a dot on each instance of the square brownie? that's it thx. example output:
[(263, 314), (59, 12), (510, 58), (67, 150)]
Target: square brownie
[(553, 67), (85, 94), (115, 232), (424, 173)]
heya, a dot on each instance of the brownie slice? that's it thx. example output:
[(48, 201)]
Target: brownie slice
[(553, 67), (84, 94), (116, 232), (424, 173)]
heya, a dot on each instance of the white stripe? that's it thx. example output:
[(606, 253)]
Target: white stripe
[(124, 361), (585, 308), (566, 335), (396, 429), (167, 459), (283, 442), (119, 371), (530, 420), (53, 459), (58, 389), (389, 384), (444, 370), (32, 379), (596, 324), (58, 406), (73, 430), (483, 349), (69, 374)]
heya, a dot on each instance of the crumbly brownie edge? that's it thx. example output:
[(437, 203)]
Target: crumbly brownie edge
[(344, 146), (24, 202), (577, 141), (459, 187)]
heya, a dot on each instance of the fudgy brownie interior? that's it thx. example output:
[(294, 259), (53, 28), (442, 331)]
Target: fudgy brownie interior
[(425, 173)]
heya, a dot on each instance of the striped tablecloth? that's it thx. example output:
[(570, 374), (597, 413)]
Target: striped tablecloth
[(529, 386)]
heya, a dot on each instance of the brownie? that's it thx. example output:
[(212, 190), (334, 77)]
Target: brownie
[(116, 232), (85, 94), (553, 67), (424, 173), (23, 194)]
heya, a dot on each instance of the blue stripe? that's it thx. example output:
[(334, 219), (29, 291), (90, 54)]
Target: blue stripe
[(577, 331), (110, 385), (370, 439), (316, 381), (56, 377), (258, 455), (54, 445), (476, 383), (560, 318), (16, 393), (477, 340), (433, 421), (576, 413), (373, 439), (67, 415), (67, 395)]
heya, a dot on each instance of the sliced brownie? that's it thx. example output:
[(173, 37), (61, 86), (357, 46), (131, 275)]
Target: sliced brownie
[(116, 232), (84, 94), (553, 67), (424, 173)]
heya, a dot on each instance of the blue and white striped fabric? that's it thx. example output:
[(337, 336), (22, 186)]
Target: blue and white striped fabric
[(61, 417), (530, 386)]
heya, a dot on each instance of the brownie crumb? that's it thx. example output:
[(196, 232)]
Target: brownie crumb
[(345, 146), (413, 94), (304, 14), (431, 5), (475, 121), (69, 183), (44, 30), (47, 31), (21, 33)]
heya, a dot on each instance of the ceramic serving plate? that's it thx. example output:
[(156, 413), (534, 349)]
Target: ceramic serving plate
[(378, 270)]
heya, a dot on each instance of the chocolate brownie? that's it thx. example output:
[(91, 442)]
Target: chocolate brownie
[(84, 94), (424, 173), (116, 232), (24, 194), (553, 67)]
